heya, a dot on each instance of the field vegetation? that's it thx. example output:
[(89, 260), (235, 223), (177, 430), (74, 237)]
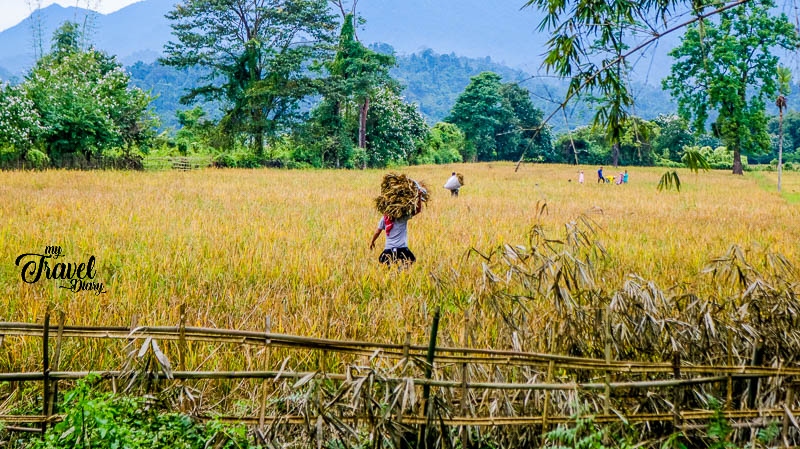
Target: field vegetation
[(238, 245)]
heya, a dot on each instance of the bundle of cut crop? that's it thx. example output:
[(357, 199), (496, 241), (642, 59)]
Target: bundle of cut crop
[(399, 195), (454, 182)]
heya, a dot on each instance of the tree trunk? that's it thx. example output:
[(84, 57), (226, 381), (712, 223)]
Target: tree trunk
[(780, 147), (737, 162), (362, 129), (615, 152)]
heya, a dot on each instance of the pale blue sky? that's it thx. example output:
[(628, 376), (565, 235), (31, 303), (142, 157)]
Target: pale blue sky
[(13, 12)]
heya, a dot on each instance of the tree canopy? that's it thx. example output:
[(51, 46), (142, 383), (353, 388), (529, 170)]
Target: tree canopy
[(728, 66), (84, 100), (258, 53), (498, 120)]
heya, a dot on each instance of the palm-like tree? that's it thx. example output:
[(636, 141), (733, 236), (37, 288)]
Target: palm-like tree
[(784, 80)]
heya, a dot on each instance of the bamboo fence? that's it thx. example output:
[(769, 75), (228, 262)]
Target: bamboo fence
[(448, 370)]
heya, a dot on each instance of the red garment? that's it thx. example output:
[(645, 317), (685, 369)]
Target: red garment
[(387, 221)]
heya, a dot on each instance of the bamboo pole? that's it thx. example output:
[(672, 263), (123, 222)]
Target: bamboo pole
[(263, 408), (677, 421), (182, 355), (464, 431), (422, 436), (61, 375), (788, 416), (729, 399), (606, 323), (57, 364), (46, 370), (548, 379), (443, 354)]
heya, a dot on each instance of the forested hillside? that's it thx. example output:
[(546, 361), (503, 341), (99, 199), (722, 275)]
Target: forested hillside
[(431, 80)]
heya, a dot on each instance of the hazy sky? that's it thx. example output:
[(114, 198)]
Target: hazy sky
[(13, 12)]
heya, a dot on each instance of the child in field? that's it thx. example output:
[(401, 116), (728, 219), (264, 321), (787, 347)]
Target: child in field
[(600, 177), (396, 248), (580, 177), (625, 177)]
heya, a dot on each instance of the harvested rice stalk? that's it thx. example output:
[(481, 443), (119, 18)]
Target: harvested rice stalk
[(399, 195), (460, 178)]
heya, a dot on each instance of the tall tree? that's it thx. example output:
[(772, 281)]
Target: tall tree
[(784, 83), (499, 120), (257, 52), (482, 113), (728, 66), (359, 73)]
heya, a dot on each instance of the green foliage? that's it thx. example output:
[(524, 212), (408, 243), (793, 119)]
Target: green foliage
[(695, 160), (258, 54), (498, 120), (20, 122), (84, 100), (583, 434), (37, 160), (444, 145), (361, 120), (196, 131), (224, 160), (109, 421), (668, 180), (719, 429), (674, 134), (395, 130), (728, 67)]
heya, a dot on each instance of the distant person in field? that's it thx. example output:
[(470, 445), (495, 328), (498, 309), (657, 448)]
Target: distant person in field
[(580, 177), (625, 177), (619, 178), (600, 177), (453, 184), (396, 248)]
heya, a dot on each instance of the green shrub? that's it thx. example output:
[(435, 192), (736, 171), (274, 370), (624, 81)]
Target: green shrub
[(248, 160), (224, 160), (107, 420), (37, 160)]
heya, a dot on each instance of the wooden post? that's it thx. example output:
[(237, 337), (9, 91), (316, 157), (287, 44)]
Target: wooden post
[(607, 343), (182, 339), (464, 383), (729, 399), (676, 391), (267, 331), (422, 436), (757, 360), (550, 368), (787, 408), (57, 364), (46, 371), (182, 354)]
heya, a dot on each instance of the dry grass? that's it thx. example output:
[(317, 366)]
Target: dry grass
[(239, 245)]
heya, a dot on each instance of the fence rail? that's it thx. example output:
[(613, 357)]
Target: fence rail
[(676, 376)]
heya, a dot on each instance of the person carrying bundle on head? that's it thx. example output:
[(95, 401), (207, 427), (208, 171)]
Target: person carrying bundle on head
[(401, 198), (454, 183)]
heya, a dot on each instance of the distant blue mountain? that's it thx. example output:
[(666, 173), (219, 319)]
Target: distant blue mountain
[(499, 29), (137, 32)]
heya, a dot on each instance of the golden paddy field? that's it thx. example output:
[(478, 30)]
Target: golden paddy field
[(237, 246)]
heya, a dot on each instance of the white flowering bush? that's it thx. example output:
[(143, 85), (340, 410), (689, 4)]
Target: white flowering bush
[(395, 129), (82, 101), (20, 122)]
